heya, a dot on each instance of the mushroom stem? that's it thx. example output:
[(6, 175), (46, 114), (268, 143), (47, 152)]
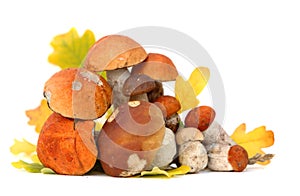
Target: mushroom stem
[(116, 79)]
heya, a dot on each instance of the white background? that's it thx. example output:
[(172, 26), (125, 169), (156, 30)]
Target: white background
[(255, 45)]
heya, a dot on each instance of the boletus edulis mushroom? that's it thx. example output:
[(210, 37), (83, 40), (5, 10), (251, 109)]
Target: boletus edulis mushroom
[(130, 138)]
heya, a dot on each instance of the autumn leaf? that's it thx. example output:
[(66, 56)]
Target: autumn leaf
[(254, 140), (184, 93), (168, 173), (39, 115), (70, 49), (22, 147), (199, 78)]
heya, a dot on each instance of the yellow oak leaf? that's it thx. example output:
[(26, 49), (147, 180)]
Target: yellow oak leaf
[(22, 147), (70, 49), (185, 94), (199, 78), (253, 141), (39, 115), (156, 172)]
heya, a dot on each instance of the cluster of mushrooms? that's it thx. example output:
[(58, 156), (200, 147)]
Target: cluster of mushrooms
[(144, 130)]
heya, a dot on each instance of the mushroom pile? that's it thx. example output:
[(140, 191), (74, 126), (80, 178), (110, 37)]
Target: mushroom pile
[(143, 131)]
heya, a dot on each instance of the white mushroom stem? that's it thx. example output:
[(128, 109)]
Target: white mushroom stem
[(218, 157), (194, 155), (140, 97), (116, 79), (166, 152), (216, 134)]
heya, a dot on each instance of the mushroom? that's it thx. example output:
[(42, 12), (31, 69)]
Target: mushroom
[(167, 151), (160, 68), (116, 79), (130, 138), (191, 151), (113, 54), (173, 122), (157, 66), (216, 134), (224, 157), (136, 86), (200, 117), (67, 146), (156, 92), (78, 93)]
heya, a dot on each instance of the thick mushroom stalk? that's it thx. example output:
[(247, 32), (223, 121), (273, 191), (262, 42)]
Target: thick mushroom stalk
[(116, 79), (191, 151)]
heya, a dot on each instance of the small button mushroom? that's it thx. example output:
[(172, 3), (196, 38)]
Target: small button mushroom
[(67, 146), (130, 138), (200, 117), (166, 152), (194, 155), (224, 157), (78, 93), (191, 151), (157, 66), (184, 135)]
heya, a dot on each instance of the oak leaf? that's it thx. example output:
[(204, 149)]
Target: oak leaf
[(39, 115), (186, 92), (253, 141), (168, 173), (70, 49)]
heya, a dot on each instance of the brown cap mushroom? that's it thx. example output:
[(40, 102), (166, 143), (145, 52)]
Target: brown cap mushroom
[(130, 138), (114, 51), (157, 66), (67, 146), (78, 93), (168, 104), (138, 84)]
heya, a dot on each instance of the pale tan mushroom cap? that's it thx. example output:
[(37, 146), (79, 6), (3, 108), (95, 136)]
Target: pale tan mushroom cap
[(114, 51), (188, 134)]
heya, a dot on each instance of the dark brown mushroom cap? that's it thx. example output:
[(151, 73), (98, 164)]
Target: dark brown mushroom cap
[(138, 84)]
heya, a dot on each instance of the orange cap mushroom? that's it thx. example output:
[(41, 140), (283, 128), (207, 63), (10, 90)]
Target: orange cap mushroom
[(66, 146), (157, 66), (78, 93)]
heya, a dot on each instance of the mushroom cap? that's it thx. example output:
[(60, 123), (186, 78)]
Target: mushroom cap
[(200, 117), (66, 146), (130, 138), (78, 93), (168, 104), (184, 135), (157, 66), (138, 84), (112, 52)]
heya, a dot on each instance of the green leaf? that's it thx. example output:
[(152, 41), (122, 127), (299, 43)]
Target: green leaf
[(47, 170), (168, 173), (70, 49), (30, 167)]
